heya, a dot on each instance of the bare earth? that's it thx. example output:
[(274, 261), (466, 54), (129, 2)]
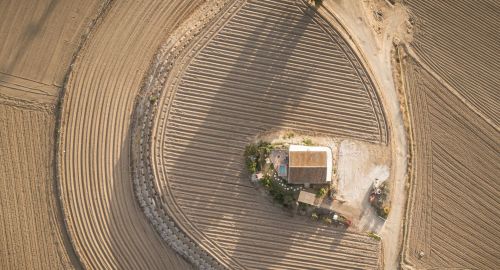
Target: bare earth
[(106, 224), (31, 231), (455, 192), (375, 41), (38, 41), (259, 72), (159, 98), (451, 84)]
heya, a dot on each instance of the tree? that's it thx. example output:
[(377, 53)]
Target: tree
[(321, 192)]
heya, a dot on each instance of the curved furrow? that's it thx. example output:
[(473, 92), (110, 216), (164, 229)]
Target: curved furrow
[(196, 118), (107, 226)]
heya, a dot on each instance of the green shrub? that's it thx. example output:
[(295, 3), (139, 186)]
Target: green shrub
[(317, 3), (153, 99), (251, 165), (288, 199), (374, 236), (256, 154), (327, 220), (321, 192), (250, 150), (266, 181), (289, 135), (307, 142), (314, 216)]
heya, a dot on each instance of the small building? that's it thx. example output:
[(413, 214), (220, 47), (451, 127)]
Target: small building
[(307, 197), (309, 164)]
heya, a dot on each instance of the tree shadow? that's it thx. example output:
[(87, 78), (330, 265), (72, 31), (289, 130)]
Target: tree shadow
[(131, 235), (273, 64), (26, 39)]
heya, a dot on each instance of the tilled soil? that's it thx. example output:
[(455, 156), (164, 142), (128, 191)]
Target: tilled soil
[(455, 191), (32, 230), (461, 43), (260, 71), (106, 224)]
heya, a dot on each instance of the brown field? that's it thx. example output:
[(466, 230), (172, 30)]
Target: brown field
[(106, 224), (460, 42), (39, 40), (259, 71), (32, 232), (159, 98), (455, 197)]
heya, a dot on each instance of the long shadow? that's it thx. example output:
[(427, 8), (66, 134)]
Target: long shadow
[(263, 61), (27, 37), (272, 41), (130, 232)]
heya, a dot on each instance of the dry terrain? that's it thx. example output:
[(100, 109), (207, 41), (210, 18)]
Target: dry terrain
[(460, 42), (454, 204), (31, 231), (258, 72), (159, 98), (38, 41), (451, 85), (106, 224)]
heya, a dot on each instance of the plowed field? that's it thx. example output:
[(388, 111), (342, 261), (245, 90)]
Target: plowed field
[(270, 64), (455, 197), (460, 42), (38, 42), (107, 227), (31, 227)]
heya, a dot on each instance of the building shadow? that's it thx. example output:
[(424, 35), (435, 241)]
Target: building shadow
[(270, 63)]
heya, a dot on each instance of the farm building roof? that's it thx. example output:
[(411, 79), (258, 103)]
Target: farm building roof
[(309, 164), (307, 197)]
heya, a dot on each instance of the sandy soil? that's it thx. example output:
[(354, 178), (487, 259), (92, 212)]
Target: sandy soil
[(464, 51), (450, 80), (107, 226), (311, 78), (454, 190), (38, 43), (216, 106), (32, 232), (375, 39), (39, 40), (359, 165)]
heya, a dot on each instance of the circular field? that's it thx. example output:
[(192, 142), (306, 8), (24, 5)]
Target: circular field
[(255, 66)]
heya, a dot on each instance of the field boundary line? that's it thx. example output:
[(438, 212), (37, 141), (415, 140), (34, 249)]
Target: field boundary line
[(342, 30), (180, 64), (450, 88), (170, 53), (68, 241), (404, 263)]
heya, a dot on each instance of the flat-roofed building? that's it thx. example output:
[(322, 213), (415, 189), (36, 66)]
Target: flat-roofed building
[(309, 164)]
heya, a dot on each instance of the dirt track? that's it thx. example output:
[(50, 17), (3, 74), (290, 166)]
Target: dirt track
[(108, 228), (308, 79), (452, 88), (217, 107), (38, 43)]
